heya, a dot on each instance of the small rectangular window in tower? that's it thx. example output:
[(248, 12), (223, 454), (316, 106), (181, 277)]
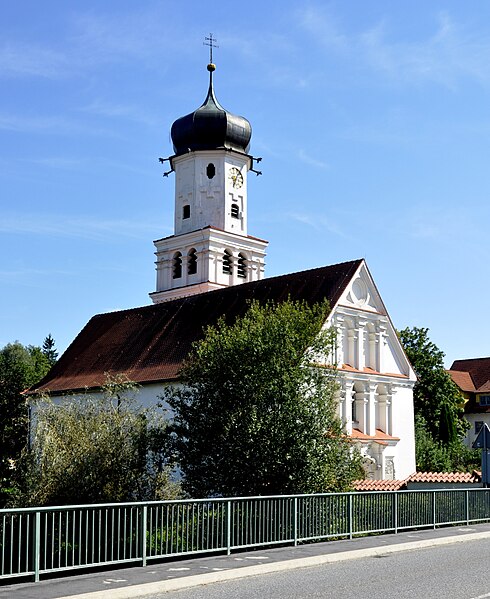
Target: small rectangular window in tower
[(186, 211), (235, 211)]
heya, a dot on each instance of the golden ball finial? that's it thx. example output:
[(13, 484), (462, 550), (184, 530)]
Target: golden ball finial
[(211, 67)]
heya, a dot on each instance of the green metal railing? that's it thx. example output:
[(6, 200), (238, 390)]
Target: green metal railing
[(37, 541)]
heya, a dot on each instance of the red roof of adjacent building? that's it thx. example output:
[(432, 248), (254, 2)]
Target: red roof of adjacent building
[(444, 477), (463, 380), (478, 369), (149, 344), (379, 485), (417, 477)]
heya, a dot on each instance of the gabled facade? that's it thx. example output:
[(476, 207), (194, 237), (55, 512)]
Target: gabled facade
[(211, 267), (376, 397), (473, 378)]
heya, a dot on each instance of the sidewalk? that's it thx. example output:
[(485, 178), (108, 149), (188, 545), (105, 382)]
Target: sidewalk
[(125, 583)]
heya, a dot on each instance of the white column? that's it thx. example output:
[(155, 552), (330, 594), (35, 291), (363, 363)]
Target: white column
[(382, 335), (373, 353), (353, 344), (362, 414), (362, 332), (371, 410), (389, 411), (381, 412), (360, 324)]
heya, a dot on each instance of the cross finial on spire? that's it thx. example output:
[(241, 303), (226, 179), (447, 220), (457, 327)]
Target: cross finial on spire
[(209, 41)]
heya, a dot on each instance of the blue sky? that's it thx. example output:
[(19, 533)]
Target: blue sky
[(372, 118)]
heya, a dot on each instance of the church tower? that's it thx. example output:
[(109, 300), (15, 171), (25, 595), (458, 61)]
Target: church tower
[(210, 247)]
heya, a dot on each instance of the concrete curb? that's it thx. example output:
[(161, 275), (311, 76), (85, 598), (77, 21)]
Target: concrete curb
[(165, 586)]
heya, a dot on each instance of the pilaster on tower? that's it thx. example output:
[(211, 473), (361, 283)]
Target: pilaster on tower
[(210, 247)]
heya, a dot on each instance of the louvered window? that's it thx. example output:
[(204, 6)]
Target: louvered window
[(192, 262), (177, 265), (227, 262), (241, 268)]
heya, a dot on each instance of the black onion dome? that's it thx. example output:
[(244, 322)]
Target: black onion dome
[(211, 127)]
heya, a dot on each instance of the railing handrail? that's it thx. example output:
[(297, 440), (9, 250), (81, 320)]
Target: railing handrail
[(224, 499), (40, 540)]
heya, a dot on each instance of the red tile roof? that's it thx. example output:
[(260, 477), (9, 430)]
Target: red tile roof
[(485, 388), (463, 380), (378, 485), (444, 477), (149, 344), (417, 477), (479, 370)]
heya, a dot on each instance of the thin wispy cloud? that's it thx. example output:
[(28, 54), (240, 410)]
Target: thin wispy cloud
[(321, 25), (29, 277), (94, 229), (107, 109), (91, 40), (144, 34), (60, 162), (57, 125), (450, 53), (440, 225), (23, 59), (319, 223), (274, 56), (315, 162)]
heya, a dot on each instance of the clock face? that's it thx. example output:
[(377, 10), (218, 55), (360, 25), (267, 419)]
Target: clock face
[(235, 177)]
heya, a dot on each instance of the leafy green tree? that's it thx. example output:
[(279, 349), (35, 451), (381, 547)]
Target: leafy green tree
[(438, 403), (255, 415), (432, 455), (436, 398), (20, 367), (103, 448)]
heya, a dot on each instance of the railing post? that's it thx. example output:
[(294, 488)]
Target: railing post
[(467, 507), (295, 521), (228, 527), (37, 546), (395, 514), (350, 514), (144, 527), (434, 509)]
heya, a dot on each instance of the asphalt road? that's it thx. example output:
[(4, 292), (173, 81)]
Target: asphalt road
[(457, 571)]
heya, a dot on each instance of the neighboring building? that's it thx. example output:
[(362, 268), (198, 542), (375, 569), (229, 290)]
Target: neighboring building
[(211, 266), (473, 378)]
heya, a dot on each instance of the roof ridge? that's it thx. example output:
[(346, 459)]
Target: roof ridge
[(224, 289)]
